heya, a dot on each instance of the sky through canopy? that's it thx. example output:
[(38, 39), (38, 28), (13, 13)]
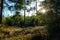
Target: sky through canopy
[(7, 12)]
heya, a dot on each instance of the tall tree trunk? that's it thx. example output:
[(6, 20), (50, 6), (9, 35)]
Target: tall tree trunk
[(1, 7)]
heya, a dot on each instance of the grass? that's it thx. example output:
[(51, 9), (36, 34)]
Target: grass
[(18, 33)]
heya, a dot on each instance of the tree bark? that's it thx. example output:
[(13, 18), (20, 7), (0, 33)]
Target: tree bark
[(1, 7)]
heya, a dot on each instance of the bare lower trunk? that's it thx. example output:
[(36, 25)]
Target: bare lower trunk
[(1, 7)]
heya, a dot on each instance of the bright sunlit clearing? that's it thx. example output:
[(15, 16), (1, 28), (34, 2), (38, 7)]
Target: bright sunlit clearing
[(43, 11)]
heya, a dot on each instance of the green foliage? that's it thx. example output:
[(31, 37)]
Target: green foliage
[(9, 21), (18, 20), (19, 4), (3, 20), (13, 21)]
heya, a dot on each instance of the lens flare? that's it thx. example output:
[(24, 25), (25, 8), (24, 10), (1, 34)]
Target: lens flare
[(43, 11)]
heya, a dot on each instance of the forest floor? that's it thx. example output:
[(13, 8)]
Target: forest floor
[(18, 33)]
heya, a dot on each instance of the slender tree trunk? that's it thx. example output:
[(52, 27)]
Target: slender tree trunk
[(36, 6), (24, 17), (24, 12), (1, 7)]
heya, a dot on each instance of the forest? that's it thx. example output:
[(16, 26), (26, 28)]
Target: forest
[(29, 20)]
